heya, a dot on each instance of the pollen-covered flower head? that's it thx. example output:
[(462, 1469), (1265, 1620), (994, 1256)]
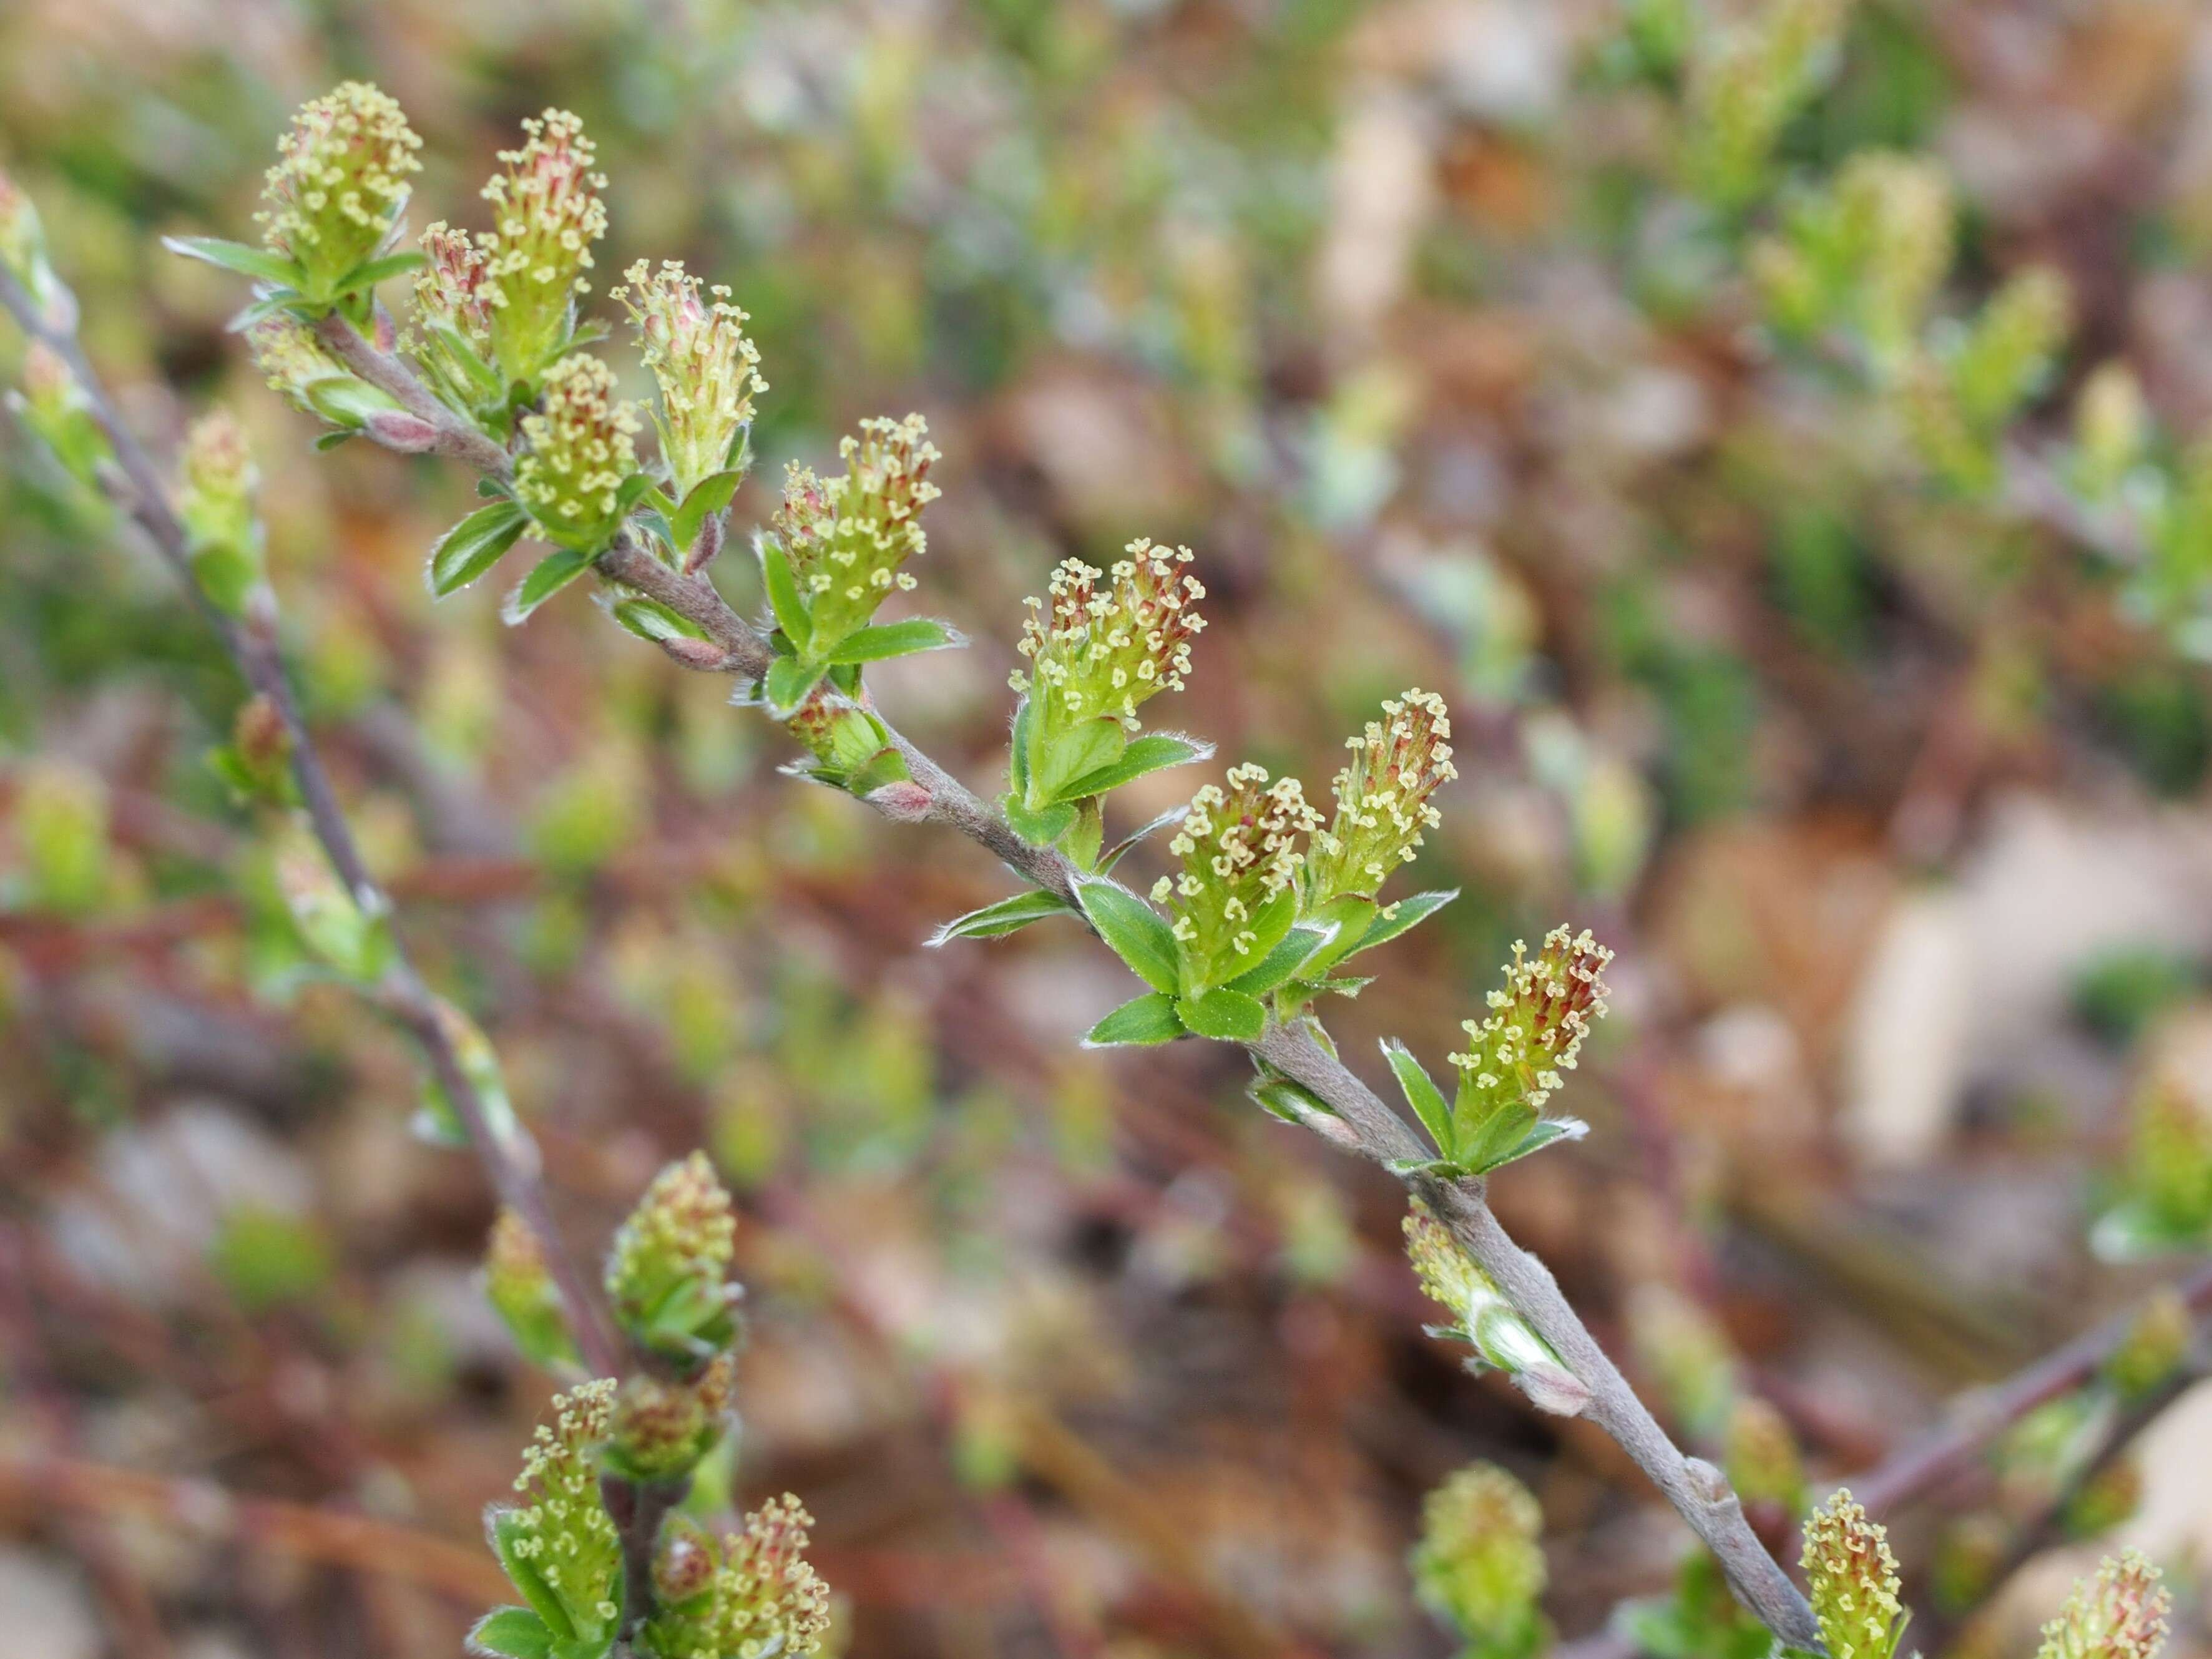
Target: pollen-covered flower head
[(671, 1257), (1382, 798), (296, 365), (454, 287), (521, 1288), (218, 482), (52, 406), (583, 444), (1535, 1031), (1102, 643), (1852, 1578), (23, 256), (2120, 1614), (1479, 1562), (761, 1597), (561, 1531), (1452, 1277), (22, 238), (1448, 1274), (847, 537), (547, 210), (662, 1427), (1241, 846), (694, 341), (339, 180)]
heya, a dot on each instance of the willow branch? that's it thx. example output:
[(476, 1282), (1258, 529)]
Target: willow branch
[(510, 1163), (1980, 1418), (1696, 1490)]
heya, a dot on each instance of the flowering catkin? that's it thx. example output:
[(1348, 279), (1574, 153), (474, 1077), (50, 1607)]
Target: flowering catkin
[(338, 181)]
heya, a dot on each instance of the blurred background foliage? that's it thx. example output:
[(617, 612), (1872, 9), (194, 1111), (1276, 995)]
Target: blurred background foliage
[(1775, 430)]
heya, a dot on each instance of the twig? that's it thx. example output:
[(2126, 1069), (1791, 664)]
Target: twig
[(251, 643), (1980, 1418), (1696, 1490)]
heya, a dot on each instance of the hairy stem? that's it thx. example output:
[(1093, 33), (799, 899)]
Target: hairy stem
[(1696, 1490)]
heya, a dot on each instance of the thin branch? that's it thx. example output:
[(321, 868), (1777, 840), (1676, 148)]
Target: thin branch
[(1696, 1490), (510, 1163), (1980, 1418)]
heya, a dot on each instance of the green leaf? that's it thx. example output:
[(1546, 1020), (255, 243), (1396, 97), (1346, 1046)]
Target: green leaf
[(1406, 914), (253, 262), (1291, 1102), (1352, 916), (1089, 747), (502, 1526), (553, 573), (898, 639), (1544, 1133), (1484, 1146), (708, 496), (1421, 1094), (370, 272), (511, 1633), (481, 375), (783, 595), (1151, 753), (786, 684), (1007, 917), (474, 545), (1017, 754), (1144, 1021), (649, 619), (345, 401), (1270, 925), (2135, 1230), (1289, 957), (1229, 1015), (1133, 929), (1040, 829)]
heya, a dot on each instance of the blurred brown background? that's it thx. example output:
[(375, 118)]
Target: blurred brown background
[(1891, 805)]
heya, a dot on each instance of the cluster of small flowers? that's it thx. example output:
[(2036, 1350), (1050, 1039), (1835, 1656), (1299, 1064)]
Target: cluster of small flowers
[(847, 538), (23, 255), (582, 444), (1479, 1562), (763, 1597), (661, 1427), (454, 288), (1745, 90), (683, 1227), (562, 1530), (521, 1288), (1239, 848), (292, 360), (55, 407), (1872, 251), (1382, 798), (1102, 652), (2118, 1615), (547, 212), (1539, 1019), (1448, 1274), (339, 178), (1851, 1577), (708, 371), (219, 481)]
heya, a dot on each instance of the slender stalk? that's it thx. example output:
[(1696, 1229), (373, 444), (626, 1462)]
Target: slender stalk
[(1982, 1416), (1696, 1490), (510, 1164)]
